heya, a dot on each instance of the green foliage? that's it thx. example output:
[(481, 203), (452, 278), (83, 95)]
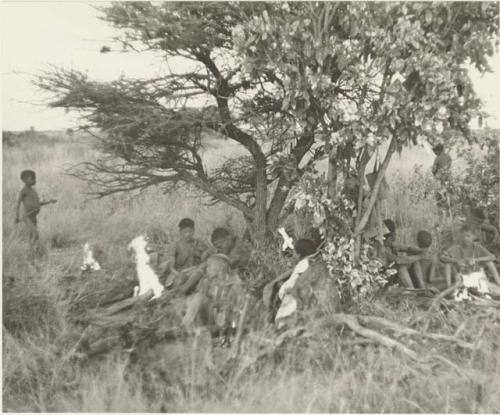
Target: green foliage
[(279, 79), (478, 185), (357, 278)]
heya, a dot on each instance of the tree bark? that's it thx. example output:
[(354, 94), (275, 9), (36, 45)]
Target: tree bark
[(374, 192), (332, 173)]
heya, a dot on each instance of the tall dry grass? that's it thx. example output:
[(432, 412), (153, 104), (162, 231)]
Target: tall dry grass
[(41, 372)]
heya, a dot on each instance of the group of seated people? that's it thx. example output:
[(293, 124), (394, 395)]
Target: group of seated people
[(205, 275), (464, 252)]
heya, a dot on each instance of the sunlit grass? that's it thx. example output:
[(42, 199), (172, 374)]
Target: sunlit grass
[(310, 376)]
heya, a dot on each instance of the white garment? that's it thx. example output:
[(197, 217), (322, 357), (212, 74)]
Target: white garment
[(287, 240), (148, 280), (288, 302), (476, 280)]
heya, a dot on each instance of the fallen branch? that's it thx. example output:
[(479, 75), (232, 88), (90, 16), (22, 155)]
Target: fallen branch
[(397, 328), (352, 322)]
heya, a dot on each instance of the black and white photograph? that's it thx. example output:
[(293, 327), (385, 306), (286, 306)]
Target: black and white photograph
[(250, 207)]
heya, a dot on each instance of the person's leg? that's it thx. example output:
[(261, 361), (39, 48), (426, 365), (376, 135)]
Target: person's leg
[(33, 236), (417, 275), (404, 277), (194, 303), (448, 274), (492, 270)]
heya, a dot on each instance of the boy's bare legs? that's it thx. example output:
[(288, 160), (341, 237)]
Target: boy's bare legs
[(417, 272), (33, 237), (448, 269), (404, 276)]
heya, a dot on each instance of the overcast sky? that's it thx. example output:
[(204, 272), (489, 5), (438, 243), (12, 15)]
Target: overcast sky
[(36, 35)]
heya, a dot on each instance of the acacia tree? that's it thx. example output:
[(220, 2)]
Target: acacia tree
[(288, 82)]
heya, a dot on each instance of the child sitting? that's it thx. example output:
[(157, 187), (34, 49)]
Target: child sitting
[(467, 256), (188, 252), (486, 233), (390, 253), (423, 272)]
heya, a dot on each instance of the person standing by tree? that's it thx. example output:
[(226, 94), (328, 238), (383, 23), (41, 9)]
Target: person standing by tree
[(442, 162), (28, 197)]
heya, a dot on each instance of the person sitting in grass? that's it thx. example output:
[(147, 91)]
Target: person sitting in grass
[(303, 292), (212, 288), (485, 232), (467, 256), (188, 252), (28, 197), (390, 253), (226, 244), (423, 272)]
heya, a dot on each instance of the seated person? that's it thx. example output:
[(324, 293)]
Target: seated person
[(467, 256), (225, 244), (217, 293), (304, 289), (486, 233), (422, 271), (188, 252), (389, 253)]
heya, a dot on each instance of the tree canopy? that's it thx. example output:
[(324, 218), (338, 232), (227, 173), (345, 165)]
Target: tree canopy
[(290, 82)]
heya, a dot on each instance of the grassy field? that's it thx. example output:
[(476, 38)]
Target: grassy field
[(321, 374)]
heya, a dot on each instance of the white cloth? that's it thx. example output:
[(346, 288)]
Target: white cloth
[(476, 280), (288, 302)]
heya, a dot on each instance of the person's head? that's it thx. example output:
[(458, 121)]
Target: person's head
[(468, 235), (438, 149), (424, 239), (477, 213), (222, 239), (28, 177), (304, 247), (186, 228)]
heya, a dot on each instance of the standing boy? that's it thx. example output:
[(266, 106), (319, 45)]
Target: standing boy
[(28, 197)]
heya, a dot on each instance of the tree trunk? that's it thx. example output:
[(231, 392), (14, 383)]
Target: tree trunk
[(361, 167), (260, 223), (332, 173), (374, 192), (277, 203)]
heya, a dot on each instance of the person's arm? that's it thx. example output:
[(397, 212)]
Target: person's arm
[(432, 270), (407, 259), (206, 251), (449, 259), (485, 255), (402, 259), (193, 280), (409, 249), (48, 202)]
